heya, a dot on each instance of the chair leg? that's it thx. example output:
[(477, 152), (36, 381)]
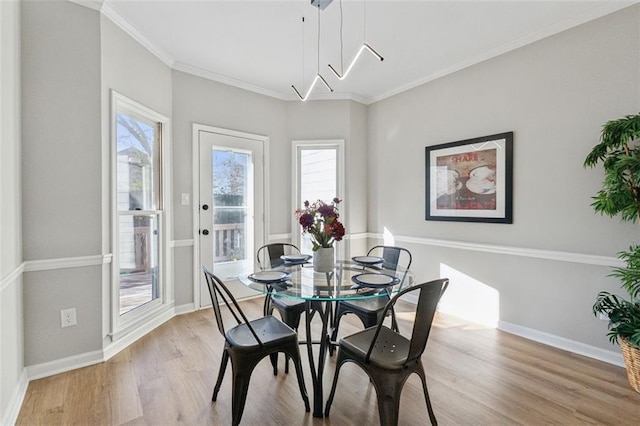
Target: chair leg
[(303, 389), (241, 377), (268, 310), (432, 416), (223, 368), (274, 363), (339, 363), (388, 390)]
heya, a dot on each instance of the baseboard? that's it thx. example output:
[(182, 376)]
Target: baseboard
[(49, 368), (45, 369), (610, 357), (135, 334), (184, 309), (15, 403)]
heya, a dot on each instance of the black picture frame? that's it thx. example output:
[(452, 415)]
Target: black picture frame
[(470, 180)]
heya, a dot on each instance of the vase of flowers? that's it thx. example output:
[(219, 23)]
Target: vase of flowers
[(321, 221)]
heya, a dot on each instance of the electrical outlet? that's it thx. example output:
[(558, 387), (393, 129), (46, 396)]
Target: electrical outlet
[(602, 316), (68, 317), (185, 199)]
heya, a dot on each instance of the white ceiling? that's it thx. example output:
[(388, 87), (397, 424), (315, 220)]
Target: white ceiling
[(257, 45)]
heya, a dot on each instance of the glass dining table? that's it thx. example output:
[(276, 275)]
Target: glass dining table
[(321, 290)]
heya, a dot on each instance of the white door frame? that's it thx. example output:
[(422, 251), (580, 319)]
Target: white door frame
[(196, 129)]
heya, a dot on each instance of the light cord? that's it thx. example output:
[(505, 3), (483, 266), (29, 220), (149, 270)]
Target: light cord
[(341, 42), (318, 40)]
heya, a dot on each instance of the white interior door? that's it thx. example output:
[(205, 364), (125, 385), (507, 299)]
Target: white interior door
[(231, 213)]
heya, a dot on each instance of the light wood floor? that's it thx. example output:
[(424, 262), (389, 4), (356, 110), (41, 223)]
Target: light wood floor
[(476, 376)]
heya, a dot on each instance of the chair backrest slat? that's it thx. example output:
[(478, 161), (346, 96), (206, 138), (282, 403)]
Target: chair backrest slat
[(217, 288), (428, 298), (392, 256), (268, 256)]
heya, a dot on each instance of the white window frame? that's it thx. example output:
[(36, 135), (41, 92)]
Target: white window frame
[(123, 324), (297, 147)]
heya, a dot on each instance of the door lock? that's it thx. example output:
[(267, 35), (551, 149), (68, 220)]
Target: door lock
[(205, 232)]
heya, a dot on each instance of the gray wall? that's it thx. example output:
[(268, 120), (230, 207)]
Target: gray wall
[(11, 326), (201, 101), (131, 70), (555, 95), (198, 100), (61, 192)]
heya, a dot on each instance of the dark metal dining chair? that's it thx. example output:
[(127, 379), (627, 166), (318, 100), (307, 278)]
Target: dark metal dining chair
[(247, 343), (290, 309), (389, 358), (370, 310)]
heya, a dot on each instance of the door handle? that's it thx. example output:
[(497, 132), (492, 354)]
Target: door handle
[(205, 207), (205, 232)]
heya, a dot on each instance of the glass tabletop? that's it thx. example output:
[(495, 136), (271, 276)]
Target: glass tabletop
[(303, 283)]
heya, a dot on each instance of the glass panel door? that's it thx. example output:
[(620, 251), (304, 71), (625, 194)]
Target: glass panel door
[(231, 223)]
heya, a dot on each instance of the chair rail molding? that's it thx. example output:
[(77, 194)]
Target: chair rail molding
[(11, 277), (67, 262), (559, 256)]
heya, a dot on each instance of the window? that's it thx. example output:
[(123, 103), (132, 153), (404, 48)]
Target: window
[(138, 226), (318, 176)]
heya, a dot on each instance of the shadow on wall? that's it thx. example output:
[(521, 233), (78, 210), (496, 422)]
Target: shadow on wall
[(469, 299)]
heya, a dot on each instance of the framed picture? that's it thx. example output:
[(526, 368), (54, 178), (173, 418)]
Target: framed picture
[(471, 180)]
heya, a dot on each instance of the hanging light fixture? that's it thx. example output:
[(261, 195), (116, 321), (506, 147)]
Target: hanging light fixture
[(364, 46), (320, 4)]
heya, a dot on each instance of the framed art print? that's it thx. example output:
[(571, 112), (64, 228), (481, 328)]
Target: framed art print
[(471, 180)]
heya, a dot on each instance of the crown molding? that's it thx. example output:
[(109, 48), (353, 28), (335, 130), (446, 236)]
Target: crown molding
[(110, 12), (190, 69), (91, 4), (593, 13), (597, 11)]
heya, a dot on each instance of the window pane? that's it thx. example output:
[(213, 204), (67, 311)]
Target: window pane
[(318, 174), (318, 181), (230, 209), (137, 164), (138, 260)]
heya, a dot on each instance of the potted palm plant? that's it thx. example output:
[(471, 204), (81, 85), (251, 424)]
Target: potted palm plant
[(619, 152)]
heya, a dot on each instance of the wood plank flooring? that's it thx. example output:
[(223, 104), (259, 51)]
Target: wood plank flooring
[(476, 376)]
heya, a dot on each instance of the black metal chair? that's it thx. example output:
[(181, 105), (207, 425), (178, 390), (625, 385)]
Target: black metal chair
[(370, 310), (290, 309), (247, 343), (389, 358)]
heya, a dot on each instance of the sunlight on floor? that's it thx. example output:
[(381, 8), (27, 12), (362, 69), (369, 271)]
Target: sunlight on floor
[(469, 299)]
